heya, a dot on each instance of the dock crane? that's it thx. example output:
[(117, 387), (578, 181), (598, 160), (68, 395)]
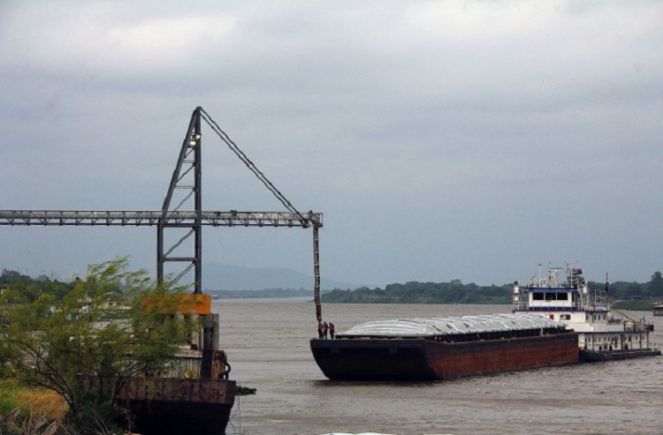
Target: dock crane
[(188, 170)]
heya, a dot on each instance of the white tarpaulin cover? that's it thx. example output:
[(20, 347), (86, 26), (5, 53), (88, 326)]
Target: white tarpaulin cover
[(448, 325)]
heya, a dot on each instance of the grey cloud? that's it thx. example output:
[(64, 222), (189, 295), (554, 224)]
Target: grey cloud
[(473, 149)]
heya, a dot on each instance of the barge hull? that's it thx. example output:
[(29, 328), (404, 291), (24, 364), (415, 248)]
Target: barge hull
[(493, 356), (169, 406), (425, 359)]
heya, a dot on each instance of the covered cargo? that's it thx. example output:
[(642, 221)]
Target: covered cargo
[(441, 326)]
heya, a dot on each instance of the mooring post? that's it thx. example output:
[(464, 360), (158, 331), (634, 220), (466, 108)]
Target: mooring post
[(210, 324)]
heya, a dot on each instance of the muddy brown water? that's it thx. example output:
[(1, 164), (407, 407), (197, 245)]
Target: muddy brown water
[(267, 342)]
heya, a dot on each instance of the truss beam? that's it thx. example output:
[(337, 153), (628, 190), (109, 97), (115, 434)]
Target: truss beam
[(183, 219)]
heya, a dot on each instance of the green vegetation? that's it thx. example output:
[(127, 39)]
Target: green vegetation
[(84, 340), (622, 290), (8, 397), (454, 292), (634, 305), (630, 295), (26, 402), (30, 289)]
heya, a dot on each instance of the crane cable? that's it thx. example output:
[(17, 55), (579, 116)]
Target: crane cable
[(282, 199), (257, 172)]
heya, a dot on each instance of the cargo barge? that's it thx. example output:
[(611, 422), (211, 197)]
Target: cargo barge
[(445, 348)]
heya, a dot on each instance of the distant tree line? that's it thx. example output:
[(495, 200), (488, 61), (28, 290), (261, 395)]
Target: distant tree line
[(452, 292), (424, 293), (455, 292), (634, 291), (31, 288)]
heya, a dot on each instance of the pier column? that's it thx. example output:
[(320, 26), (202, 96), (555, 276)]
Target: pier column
[(210, 324), (316, 273)]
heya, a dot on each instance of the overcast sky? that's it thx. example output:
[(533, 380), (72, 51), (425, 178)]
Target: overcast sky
[(441, 139)]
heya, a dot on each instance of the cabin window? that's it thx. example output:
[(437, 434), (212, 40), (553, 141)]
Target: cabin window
[(550, 296), (562, 296), (537, 296), (551, 316), (564, 317)]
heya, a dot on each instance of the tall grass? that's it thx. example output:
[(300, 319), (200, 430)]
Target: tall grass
[(31, 400), (8, 399)]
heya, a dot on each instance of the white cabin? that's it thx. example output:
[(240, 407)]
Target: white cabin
[(569, 302)]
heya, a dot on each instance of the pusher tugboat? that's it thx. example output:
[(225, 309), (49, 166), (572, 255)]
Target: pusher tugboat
[(603, 333)]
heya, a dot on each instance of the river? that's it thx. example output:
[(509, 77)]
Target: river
[(268, 346)]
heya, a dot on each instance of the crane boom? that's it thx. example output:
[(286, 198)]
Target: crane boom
[(230, 218)]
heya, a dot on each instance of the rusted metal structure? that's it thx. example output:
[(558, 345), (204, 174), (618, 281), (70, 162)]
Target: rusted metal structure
[(179, 406)]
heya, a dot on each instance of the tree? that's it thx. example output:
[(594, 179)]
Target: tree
[(87, 344), (655, 286)]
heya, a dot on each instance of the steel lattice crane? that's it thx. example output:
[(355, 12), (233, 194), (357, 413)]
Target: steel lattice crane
[(187, 176), (189, 162)]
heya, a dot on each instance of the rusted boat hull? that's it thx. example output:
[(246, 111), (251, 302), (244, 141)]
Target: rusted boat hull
[(424, 359), (179, 406)]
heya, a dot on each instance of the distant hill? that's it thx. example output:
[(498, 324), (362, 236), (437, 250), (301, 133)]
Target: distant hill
[(218, 276)]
